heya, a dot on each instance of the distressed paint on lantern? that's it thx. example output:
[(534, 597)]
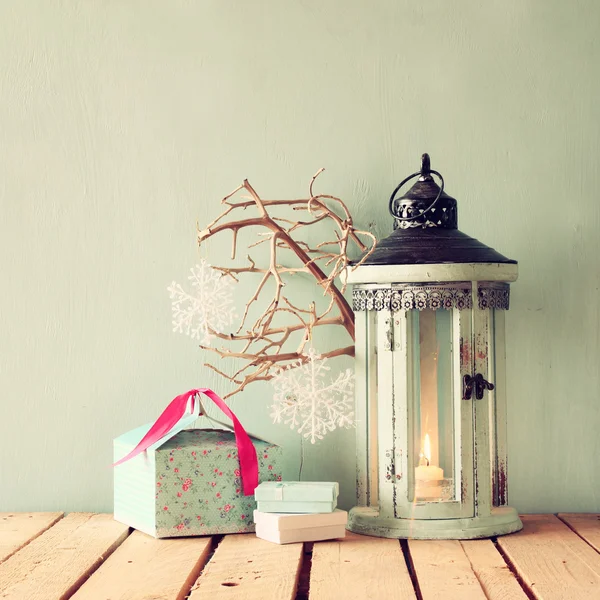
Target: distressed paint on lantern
[(482, 424), (501, 487), (499, 394)]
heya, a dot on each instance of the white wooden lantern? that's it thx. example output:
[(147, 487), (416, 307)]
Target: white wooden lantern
[(430, 370)]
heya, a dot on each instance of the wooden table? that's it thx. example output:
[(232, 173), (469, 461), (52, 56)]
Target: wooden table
[(89, 556)]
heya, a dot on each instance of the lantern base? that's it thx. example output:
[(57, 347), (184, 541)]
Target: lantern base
[(366, 521)]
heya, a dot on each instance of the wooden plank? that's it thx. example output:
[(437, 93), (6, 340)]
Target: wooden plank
[(444, 571), (18, 529), (55, 564), (491, 570), (144, 567), (585, 525), (359, 568), (245, 567), (553, 561)]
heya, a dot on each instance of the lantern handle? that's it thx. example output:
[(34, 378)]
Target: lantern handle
[(425, 170)]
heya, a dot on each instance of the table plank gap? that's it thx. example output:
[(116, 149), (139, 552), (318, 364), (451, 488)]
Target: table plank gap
[(494, 574), (245, 567), (302, 590), (586, 526), (411, 568), (553, 562), (55, 564), (19, 529), (143, 567), (444, 571), (359, 567), (514, 571)]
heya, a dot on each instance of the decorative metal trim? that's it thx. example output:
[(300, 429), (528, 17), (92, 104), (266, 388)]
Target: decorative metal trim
[(494, 296), (413, 297), (443, 220), (434, 297)]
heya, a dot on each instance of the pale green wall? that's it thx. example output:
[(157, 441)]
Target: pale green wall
[(123, 121)]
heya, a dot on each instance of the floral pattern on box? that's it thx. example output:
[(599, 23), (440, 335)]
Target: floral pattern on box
[(199, 487)]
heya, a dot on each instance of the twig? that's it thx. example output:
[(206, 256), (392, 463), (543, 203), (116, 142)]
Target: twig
[(263, 345)]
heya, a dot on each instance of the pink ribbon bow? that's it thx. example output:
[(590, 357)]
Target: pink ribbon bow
[(176, 410)]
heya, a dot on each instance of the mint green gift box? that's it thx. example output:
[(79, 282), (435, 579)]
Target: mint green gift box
[(297, 496), (188, 483)]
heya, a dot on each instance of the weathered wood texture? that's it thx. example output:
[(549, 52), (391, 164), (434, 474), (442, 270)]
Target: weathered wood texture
[(553, 561), (444, 571), (359, 568), (91, 557), (245, 567), (18, 529), (144, 567), (586, 525), (491, 570), (57, 562)]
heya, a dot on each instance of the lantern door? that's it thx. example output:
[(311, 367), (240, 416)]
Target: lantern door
[(430, 353)]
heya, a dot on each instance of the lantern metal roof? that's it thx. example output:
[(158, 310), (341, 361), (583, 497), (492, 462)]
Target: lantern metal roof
[(426, 228)]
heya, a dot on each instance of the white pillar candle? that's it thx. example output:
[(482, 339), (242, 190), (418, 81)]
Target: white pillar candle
[(428, 478)]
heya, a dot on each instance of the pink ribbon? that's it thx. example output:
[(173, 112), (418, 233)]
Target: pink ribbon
[(176, 410)]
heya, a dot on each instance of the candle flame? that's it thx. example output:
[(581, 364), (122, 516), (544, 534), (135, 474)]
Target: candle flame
[(427, 448)]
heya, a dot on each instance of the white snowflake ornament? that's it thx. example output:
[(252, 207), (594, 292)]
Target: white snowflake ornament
[(307, 402), (209, 308)]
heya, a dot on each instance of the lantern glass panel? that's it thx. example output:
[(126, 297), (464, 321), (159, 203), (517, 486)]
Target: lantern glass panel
[(433, 409)]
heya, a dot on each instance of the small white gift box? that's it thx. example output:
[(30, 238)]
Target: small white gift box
[(282, 528)]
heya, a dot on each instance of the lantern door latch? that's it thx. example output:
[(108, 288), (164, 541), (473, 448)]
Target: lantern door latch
[(388, 344), (478, 383)]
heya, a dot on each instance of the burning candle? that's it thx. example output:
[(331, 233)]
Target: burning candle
[(428, 478)]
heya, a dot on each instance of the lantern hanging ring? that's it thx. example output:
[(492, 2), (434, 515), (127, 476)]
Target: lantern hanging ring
[(424, 172)]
